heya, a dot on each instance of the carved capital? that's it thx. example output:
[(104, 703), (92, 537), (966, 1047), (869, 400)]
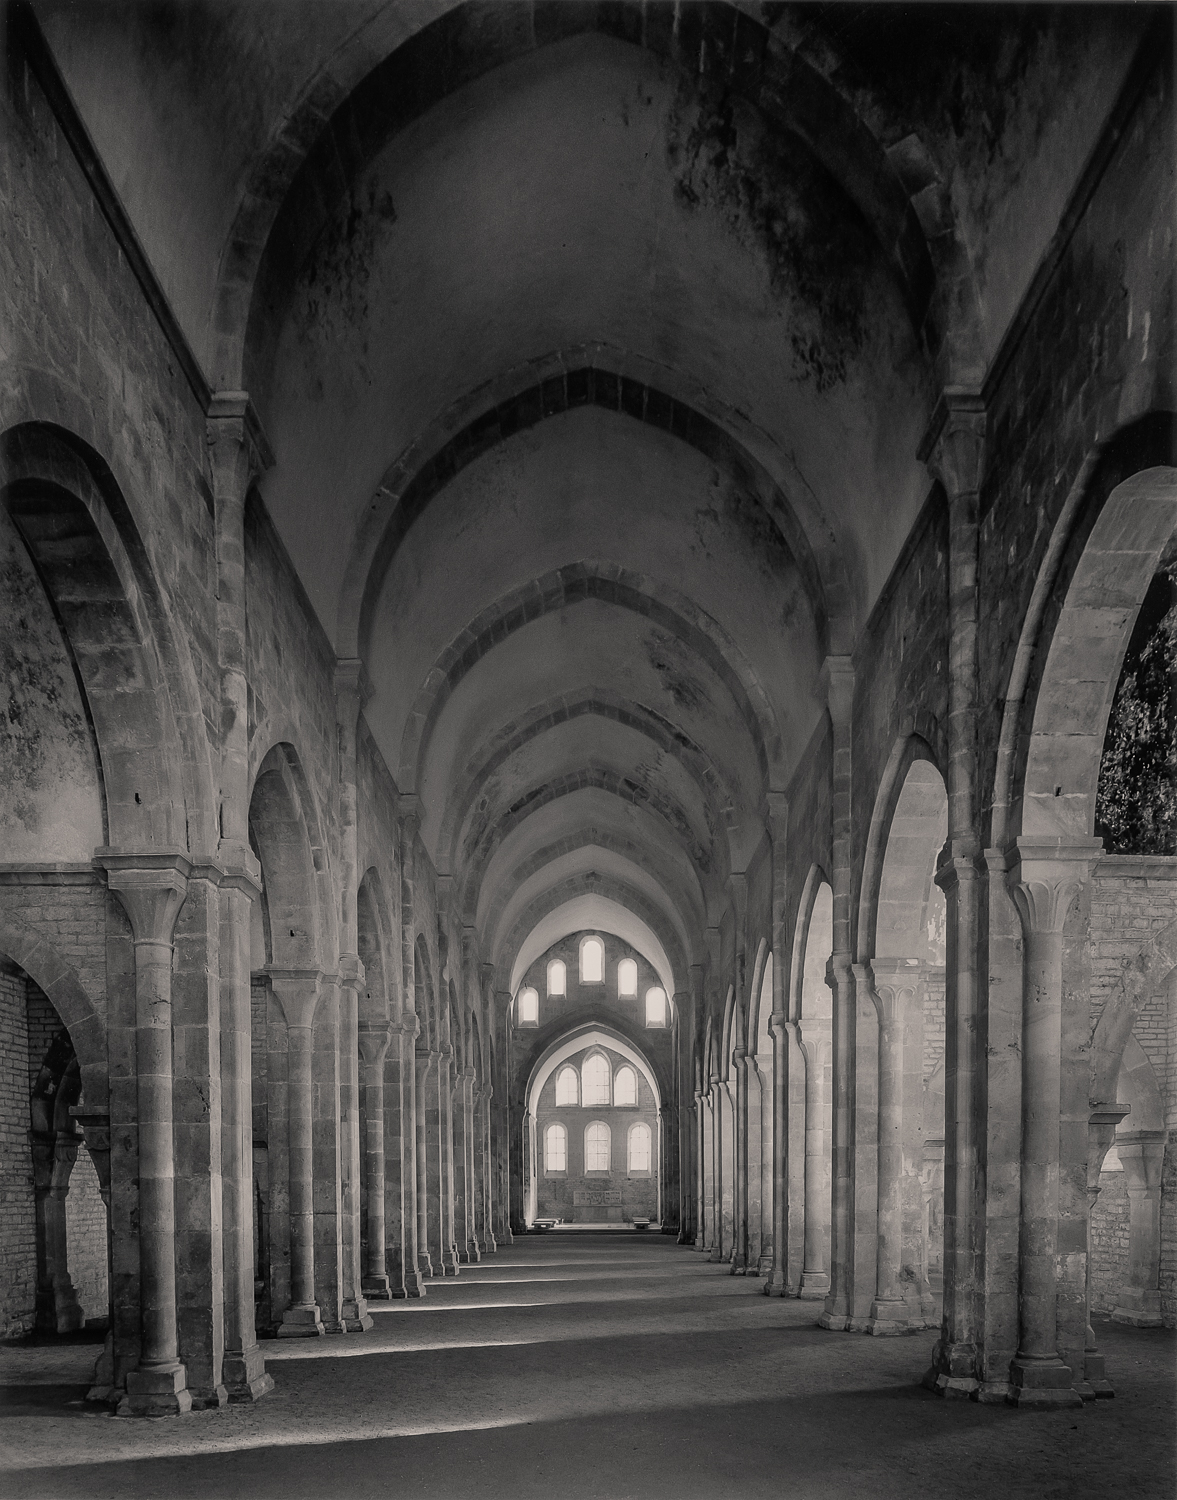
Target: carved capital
[(239, 450), (297, 993), (151, 886), (954, 445), (374, 1042), (351, 971), (1045, 876)]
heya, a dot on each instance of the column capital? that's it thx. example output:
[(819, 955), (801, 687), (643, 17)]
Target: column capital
[(373, 1042), (1044, 876), (297, 992), (953, 446), (352, 683), (351, 970), (241, 868), (837, 683), (407, 1024), (238, 447), (151, 884)]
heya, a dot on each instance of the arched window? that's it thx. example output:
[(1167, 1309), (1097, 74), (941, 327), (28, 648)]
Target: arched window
[(595, 1080), (656, 1007), (557, 978), (592, 961), (596, 1147), (627, 978), (555, 1149), (638, 1156), (527, 1008), (566, 1086), (625, 1087)]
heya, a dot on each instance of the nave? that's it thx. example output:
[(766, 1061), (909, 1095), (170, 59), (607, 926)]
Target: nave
[(593, 1365)]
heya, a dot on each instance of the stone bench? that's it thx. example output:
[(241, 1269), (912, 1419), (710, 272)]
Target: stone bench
[(641, 1223), (541, 1226)]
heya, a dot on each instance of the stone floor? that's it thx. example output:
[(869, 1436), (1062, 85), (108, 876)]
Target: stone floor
[(609, 1366)]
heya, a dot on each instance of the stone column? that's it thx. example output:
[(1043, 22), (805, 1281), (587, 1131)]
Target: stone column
[(328, 1156), (740, 1158), (815, 1276), (446, 1182), (401, 1158), (954, 451), (1045, 878), (707, 1154), (778, 1276), (716, 1169), (700, 1172), (356, 1317), (1101, 1132), (54, 1154), (849, 1068), (1142, 1153), (245, 1375), (238, 453), (152, 888), (489, 1242), (423, 1061), (469, 1248), (373, 1045), (296, 992), (896, 1308)]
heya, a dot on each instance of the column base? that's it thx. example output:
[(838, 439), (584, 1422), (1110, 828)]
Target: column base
[(992, 1392), (890, 1318), (301, 1323), (356, 1317), (102, 1387), (210, 1400), (470, 1256), (1140, 1311), (246, 1376), (414, 1285), (156, 1393), (489, 1245), (836, 1322), (764, 1266), (953, 1371), (815, 1285), (376, 1288), (1041, 1383), (1095, 1385), (450, 1264), (424, 1264)]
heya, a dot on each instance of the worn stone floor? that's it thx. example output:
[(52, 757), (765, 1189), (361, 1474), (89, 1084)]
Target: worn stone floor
[(594, 1366)]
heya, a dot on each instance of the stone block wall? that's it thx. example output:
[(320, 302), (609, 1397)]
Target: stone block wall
[(18, 1228), (69, 911)]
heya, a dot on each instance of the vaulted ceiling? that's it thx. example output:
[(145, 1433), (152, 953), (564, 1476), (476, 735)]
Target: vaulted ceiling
[(594, 343)]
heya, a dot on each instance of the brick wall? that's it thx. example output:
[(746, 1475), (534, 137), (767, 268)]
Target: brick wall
[(1108, 1241), (933, 1022), (18, 1231), (72, 919)]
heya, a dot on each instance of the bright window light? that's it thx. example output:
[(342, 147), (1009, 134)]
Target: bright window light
[(556, 1149), (656, 1007), (627, 978), (595, 1080), (528, 1007), (557, 978), (596, 1147), (566, 1086), (625, 1087), (639, 1148), (592, 961)]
